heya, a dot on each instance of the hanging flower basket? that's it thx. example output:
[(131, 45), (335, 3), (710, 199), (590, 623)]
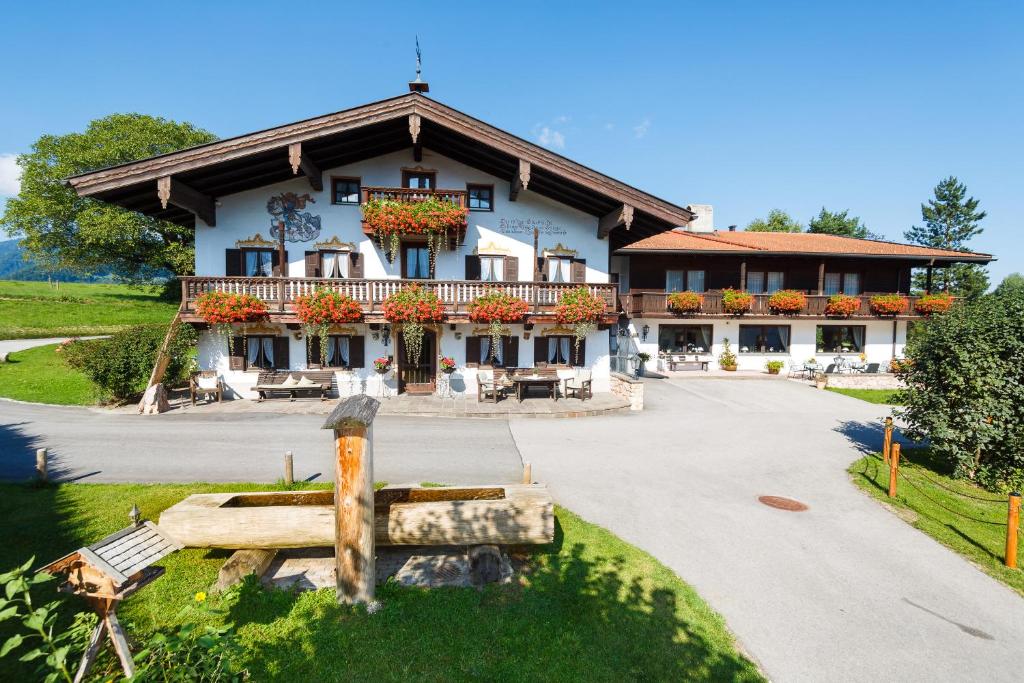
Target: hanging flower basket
[(382, 365), (323, 308), (496, 308), (434, 218), (581, 310), (842, 305), (928, 304), (787, 302), (888, 304), (409, 309), (685, 302), (735, 302), (447, 364), (222, 310)]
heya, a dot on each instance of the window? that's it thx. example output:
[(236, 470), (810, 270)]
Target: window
[(755, 282), (345, 190), (833, 283), (775, 280), (851, 283), (419, 180), (559, 269), (764, 338), (695, 280), (334, 264), (560, 350), (489, 356), (684, 338), (840, 338), (845, 283), (760, 282), (338, 355), (492, 268), (260, 353), (415, 261), (481, 197), (258, 262), (684, 280)]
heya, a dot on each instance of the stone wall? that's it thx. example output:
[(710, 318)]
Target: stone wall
[(861, 381), (628, 389)]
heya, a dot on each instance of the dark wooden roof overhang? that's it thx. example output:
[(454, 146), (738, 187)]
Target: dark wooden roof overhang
[(202, 174), (924, 260)]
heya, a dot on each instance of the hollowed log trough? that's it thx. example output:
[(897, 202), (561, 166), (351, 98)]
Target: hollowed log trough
[(517, 514)]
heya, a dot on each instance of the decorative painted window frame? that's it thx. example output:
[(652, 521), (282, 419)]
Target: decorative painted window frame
[(559, 250), (491, 249), (255, 242), (335, 244)]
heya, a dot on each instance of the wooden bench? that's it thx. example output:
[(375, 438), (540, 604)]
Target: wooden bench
[(683, 364), (270, 382)]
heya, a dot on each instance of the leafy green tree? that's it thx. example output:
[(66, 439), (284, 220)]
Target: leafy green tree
[(839, 223), (64, 231), (1011, 284), (951, 219), (777, 221), (965, 388)]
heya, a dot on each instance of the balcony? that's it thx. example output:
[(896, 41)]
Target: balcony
[(654, 304), (280, 293), (407, 194)]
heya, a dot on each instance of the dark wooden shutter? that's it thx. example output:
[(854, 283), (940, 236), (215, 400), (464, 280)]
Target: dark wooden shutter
[(540, 351), (357, 352), (355, 268), (236, 354), (312, 264), (312, 352), (472, 267), (281, 360), (233, 262), (511, 269), (542, 269), (275, 262), (472, 352), (510, 351), (581, 358), (578, 270)]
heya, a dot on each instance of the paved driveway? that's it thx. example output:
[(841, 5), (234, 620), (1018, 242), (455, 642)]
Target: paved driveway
[(844, 591)]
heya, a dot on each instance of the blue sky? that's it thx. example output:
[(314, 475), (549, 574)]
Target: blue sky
[(746, 106)]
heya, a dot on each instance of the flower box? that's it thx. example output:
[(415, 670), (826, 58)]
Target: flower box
[(735, 302), (324, 307), (888, 304), (929, 304), (842, 305), (685, 302), (436, 219), (222, 308), (787, 302), (410, 308)]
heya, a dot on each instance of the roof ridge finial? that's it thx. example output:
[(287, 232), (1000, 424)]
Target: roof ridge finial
[(419, 85)]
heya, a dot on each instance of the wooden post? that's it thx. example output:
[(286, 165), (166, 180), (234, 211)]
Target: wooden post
[(1012, 523), (289, 470), (894, 469), (887, 440), (821, 278), (352, 422), (42, 473), (527, 473)]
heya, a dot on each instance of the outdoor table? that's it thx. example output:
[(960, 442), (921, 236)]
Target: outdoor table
[(524, 382)]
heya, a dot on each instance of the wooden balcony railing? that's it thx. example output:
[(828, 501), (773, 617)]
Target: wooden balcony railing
[(406, 194), (280, 293), (655, 305)]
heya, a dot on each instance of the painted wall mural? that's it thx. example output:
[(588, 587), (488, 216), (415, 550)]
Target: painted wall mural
[(286, 211)]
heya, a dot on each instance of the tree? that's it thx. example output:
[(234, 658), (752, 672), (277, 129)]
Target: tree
[(839, 223), (63, 230), (777, 221), (1011, 284), (951, 219)]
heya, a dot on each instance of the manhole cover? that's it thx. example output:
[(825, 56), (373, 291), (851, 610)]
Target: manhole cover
[(782, 503)]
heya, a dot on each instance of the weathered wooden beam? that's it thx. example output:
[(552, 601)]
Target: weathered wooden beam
[(620, 216), (303, 162), (241, 564), (171, 191), (520, 181)]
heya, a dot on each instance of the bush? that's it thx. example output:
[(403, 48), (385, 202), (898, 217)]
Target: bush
[(774, 366), (120, 365), (965, 389)]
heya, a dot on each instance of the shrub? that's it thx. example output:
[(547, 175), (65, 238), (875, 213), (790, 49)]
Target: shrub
[(888, 304), (736, 302), (842, 305), (120, 365), (929, 304), (787, 301), (727, 359), (685, 302), (774, 366)]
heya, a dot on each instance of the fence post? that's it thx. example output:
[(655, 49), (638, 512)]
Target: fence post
[(527, 473), (1012, 522), (894, 469), (352, 422), (289, 470), (887, 441), (42, 466)]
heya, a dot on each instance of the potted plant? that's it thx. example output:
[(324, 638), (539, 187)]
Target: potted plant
[(323, 308), (495, 308), (774, 366), (409, 308), (735, 302), (382, 365), (580, 309), (929, 304), (685, 302), (222, 309), (436, 219), (642, 358), (447, 364), (727, 359), (842, 305), (787, 302), (820, 380), (888, 304)]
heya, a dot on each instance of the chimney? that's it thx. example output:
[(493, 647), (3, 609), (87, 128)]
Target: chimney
[(732, 228), (704, 220)]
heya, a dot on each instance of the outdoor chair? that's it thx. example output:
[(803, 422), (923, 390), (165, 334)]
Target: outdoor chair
[(579, 385), (486, 386), (205, 383), (831, 369), (872, 368)]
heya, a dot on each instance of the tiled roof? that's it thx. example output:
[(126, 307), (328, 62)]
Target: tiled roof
[(791, 243)]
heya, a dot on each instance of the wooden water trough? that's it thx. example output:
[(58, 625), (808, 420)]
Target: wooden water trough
[(510, 514)]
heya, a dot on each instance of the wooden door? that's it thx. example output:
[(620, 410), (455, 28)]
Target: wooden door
[(418, 378)]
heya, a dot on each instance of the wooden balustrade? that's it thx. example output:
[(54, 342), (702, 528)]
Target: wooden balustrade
[(407, 194), (654, 304)]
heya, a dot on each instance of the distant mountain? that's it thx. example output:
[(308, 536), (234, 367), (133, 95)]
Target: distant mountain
[(13, 266)]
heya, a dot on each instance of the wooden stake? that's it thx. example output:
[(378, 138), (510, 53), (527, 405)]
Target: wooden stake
[(1012, 524), (352, 422), (887, 441), (894, 469), (41, 466), (527, 473), (289, 470)]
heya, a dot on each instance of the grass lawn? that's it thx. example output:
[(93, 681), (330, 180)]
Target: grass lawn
[(592, 607), (981, 539), (34, 309), (884, 396), (39, 375)]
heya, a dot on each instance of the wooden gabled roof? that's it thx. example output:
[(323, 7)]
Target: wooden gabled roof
[(248, 161)]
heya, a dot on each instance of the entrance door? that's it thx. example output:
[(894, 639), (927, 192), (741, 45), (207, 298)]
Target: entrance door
[(418, 378)]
